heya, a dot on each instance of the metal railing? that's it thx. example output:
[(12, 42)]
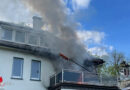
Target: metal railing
[(67, 76), (72, 76)]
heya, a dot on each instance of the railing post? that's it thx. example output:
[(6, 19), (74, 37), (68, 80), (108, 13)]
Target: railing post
[(82, 77), (13, 35), (62, 75), (0, 33), (55, 79), (101, 78), (26, 38)]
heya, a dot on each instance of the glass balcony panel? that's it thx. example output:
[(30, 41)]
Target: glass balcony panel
[(70, 76), (59, 77)]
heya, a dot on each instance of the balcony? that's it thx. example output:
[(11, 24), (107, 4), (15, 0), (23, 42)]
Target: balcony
[(79, 77)]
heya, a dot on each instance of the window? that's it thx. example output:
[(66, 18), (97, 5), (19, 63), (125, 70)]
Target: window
[(35, 70), (17, 71), (126, 71), (42, 42), (33, 39), (7, 34), (20, 36)]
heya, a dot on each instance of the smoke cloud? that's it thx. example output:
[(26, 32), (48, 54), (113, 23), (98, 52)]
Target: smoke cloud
[(62, 37)]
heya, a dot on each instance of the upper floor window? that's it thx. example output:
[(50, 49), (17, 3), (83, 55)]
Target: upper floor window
[(7, 34), (36, 70), (33, 39), (17, 70), (126, 71), (20, 36)]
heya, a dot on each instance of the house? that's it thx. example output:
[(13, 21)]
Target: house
[(124, 74), (24, 62), (27, 64), (124, 71)]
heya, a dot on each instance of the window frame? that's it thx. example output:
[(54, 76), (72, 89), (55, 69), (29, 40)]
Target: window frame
[(30, 35), (39, 78), (21, 74), (3, 37), (16, 37)]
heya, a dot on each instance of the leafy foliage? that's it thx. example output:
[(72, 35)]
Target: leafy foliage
[(112, 65)]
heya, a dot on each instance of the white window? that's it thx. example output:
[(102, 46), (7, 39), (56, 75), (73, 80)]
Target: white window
[(7, 34), (17, 70), (33, 39), (20, 36), (35, 70)]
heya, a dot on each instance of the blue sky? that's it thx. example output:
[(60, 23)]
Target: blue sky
[(109, 16), (113, 16)]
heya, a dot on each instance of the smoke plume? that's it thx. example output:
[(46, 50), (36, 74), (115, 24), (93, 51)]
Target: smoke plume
[(62, 37)]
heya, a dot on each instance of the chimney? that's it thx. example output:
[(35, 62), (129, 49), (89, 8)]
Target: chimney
[(37, 23)]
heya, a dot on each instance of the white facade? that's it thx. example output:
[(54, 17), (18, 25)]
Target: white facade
[(6, 61), (7, 55)]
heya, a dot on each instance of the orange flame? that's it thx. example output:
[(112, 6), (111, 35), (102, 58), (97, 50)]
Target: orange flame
[(79, 82)]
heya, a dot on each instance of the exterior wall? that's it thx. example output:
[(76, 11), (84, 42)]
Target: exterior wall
[(124, 77), (6, 61)]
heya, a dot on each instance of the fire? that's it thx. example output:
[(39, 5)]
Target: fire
[(79, 82)]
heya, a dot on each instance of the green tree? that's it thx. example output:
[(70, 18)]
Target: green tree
[(112, 64), (117, 58)]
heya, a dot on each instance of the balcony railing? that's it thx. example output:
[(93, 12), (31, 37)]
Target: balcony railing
[(67, 76), (72, 76)]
